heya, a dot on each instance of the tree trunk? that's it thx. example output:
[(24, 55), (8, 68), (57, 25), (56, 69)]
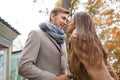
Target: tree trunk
[(66, 4)]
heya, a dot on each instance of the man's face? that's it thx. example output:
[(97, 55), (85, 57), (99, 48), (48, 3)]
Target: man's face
[(59, 20)]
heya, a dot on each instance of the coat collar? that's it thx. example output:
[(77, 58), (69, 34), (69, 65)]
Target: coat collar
[(55, 43)]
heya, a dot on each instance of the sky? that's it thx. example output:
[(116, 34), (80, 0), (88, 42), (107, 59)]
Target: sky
[(23, 15)]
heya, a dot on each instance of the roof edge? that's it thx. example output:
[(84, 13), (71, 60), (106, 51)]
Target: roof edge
[(9, 26)]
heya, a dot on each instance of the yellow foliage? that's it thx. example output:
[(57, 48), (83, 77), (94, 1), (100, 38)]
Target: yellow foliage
[(97, 21), (118, 15), (114, 31), (109, 18), (93, 4), (73, 2), (109, 46), (108, 12), (118, 35), (109, 23), (59, 3), (113, 44), (102, 34)]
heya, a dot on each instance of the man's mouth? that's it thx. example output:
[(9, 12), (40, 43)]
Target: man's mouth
[(62, 24)]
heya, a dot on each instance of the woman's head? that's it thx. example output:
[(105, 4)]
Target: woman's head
[(81, 21)]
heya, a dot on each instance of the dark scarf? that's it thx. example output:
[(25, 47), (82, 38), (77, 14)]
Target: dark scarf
[(57, 34)]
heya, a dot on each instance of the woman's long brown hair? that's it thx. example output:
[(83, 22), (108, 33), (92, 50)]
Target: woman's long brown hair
[(87, 38)]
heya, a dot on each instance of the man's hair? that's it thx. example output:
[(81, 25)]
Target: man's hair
[(58, 10)]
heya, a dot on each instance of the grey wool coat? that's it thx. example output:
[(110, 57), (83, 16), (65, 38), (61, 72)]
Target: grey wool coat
[(41, 58)]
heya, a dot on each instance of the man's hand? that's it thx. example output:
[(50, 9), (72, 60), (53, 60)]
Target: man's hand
[(62, 77)]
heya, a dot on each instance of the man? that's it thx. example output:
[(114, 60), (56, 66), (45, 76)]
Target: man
[(44, 54)]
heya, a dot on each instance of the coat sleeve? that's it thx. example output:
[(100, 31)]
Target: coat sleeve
[(26, 65)]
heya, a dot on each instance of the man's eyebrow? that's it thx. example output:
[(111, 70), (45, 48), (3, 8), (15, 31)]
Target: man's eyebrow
[(64, 17)]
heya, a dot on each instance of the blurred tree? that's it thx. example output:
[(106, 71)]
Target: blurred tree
[(107, 22), (68, 4)]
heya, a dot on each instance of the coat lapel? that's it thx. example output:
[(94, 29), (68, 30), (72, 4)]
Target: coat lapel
[(54, 42)]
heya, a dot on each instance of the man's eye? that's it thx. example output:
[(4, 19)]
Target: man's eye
[(64, 18)]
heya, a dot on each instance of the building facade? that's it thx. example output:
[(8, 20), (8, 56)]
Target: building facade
[(7, 36)]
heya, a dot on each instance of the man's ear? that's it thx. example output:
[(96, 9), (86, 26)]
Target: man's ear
[(52, 16)]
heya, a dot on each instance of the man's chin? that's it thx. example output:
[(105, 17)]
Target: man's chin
[(61, 28)]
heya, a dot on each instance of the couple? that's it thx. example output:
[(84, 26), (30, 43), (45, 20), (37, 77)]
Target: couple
[(44, 54)]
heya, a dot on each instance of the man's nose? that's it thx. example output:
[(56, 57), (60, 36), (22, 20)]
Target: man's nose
[(65, 22)]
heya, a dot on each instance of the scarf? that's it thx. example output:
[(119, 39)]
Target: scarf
[(57, 34)]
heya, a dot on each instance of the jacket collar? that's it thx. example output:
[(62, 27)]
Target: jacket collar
[(55, 43)]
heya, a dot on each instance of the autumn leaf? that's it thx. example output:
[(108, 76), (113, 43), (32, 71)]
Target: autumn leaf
[(59, 3), (108, 12), (114, 31), (118, 15)]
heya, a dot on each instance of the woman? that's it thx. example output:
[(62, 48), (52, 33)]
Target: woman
[(88, 59)]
